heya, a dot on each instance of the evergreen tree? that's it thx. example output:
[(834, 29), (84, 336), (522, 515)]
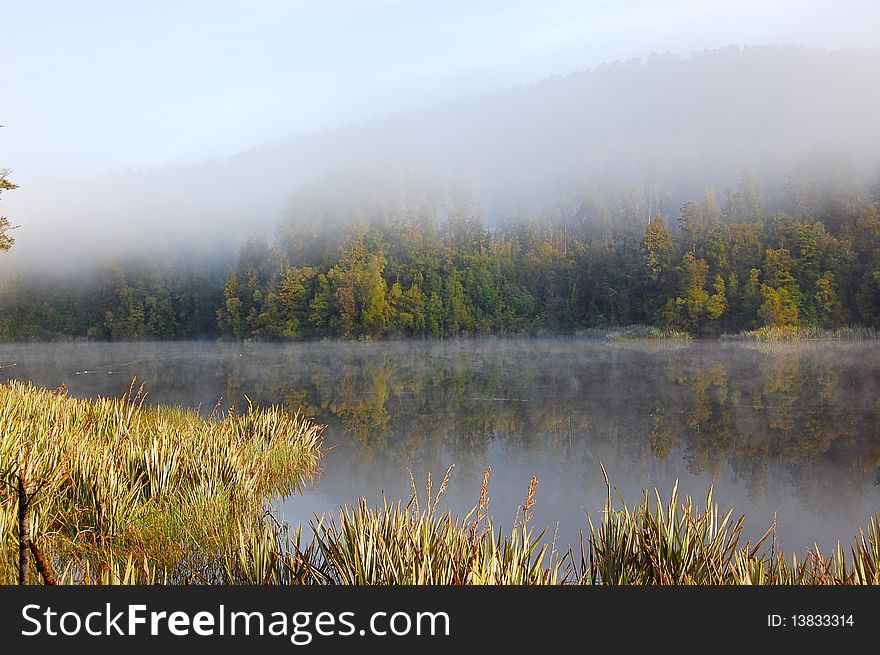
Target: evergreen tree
[(780, 290)]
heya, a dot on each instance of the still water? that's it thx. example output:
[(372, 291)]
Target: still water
[(789, 431)]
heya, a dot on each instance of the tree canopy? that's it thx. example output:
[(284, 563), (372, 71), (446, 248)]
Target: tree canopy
[(437, 269)]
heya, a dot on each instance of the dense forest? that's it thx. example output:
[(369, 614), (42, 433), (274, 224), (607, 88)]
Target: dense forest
[(806, 255)]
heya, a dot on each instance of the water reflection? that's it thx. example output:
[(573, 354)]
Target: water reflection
[(788, 430)]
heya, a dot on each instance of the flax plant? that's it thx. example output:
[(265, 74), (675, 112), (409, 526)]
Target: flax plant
[(672, 541), (113, 481), (417, 543)]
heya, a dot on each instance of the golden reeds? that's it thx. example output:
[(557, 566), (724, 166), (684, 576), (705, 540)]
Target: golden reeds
[(658, 542), (109, 479)]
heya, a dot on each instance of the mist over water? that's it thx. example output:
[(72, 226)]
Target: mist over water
[(789, 431)]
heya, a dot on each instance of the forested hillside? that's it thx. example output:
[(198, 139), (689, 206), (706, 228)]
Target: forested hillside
[(713, 193), (808, 255), (721, 265)]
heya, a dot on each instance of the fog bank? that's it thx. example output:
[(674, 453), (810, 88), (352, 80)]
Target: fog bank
[(667, 125)]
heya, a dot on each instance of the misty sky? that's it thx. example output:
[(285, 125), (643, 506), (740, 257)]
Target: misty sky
[(90, 87)]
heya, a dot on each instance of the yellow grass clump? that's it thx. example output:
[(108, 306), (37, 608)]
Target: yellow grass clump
[(118, 491)]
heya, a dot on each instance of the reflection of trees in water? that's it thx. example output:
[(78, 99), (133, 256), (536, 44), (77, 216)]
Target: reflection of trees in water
[(799, 415), (804, 417)]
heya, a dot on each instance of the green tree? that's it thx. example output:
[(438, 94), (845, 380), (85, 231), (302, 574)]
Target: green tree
[(360, 292), (284, 311), (320, 307), (661, 279), (749, 301), (689, 309), (229, 316), (717, 303), (806, 269), (780, 290), (829, 310), (459, 316), (6, 240), (658, 245), (408, 310)]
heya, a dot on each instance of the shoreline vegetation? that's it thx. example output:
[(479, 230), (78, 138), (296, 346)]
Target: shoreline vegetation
[(118, 492), (112, 490), (765, 334), (792, 333), (636, 332), (633, 333)]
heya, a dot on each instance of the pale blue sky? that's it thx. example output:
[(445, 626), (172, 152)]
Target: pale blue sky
[(90, 87)]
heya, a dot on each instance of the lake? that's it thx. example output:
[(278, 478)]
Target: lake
[(788, 430)]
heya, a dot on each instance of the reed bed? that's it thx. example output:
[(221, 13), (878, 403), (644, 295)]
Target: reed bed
[(678, 542), (118, 491), (657, 542), (634, 333), (770, 334)]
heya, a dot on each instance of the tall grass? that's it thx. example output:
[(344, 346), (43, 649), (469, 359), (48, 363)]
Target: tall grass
[(657, 542), (800, 333), (634, 333), (401, 544), (119, 490)]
